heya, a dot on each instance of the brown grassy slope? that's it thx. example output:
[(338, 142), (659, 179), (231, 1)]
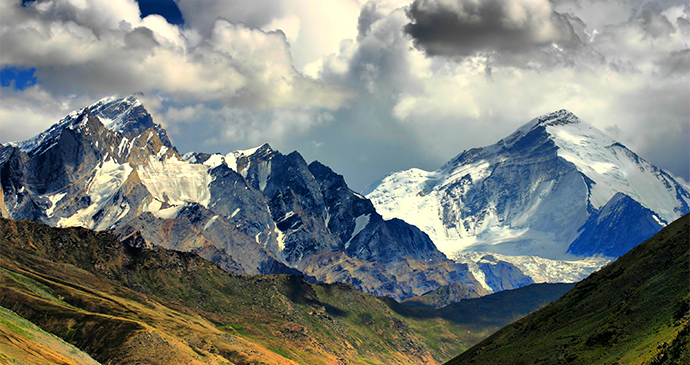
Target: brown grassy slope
[(634, 311), (22, 342), (78, 284), (125, 305)]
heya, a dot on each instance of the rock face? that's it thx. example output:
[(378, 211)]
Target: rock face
[(548, 190), (110, 167)]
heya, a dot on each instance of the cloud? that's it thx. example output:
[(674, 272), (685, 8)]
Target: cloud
[(313, 27), (25, 113), (653, 21), (465, 27), (219, 128), (429, 108), (377, 100), (109, 49)]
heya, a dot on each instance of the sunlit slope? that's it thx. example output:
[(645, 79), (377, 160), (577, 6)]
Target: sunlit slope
[(634, 311), (22, 342), (124, 305)]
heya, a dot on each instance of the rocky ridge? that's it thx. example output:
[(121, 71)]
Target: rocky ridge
[(110, 167)]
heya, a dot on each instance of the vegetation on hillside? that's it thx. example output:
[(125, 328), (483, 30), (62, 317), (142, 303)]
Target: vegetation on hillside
[(125, 305), (634, 311)]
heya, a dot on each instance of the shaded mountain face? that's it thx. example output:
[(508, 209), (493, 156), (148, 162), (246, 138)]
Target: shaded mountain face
[(547, 190), (633, 311), (110, 167)]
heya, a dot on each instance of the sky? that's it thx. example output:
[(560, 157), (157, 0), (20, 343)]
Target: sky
[(365, 87)]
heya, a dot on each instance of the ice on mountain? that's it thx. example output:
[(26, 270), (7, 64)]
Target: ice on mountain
[(529, 193), (360, 223), (176, 182)]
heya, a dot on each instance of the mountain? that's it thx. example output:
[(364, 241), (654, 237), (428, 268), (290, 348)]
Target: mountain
[(123, 305), (548, 190), (110, 167), (634, 311)]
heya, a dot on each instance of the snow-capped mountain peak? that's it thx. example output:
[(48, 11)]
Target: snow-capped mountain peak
[(531, 192), (117, 113)]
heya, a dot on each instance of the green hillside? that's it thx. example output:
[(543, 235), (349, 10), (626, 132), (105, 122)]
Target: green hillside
[(634, 311), (123, 305)]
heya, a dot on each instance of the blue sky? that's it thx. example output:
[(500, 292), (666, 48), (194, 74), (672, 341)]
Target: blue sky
[(366, 87)]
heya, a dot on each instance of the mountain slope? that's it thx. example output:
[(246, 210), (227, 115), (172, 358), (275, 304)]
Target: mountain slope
[(533, 192), (110, 167), (636, 310), (23, 342), (122, 304)]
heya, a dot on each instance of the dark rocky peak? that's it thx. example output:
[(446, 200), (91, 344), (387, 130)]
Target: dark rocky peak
[(125, 117), (325, 174), (537, 127), (128, 117), (245, 158), (343, 205), (529, 139), (559, 117)]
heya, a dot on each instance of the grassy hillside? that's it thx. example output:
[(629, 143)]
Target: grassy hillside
[(634, 311), (124, 305), (22, 342)]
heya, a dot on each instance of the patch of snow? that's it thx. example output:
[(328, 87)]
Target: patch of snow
[(108, 179), (170, 212), (264, 171), (661, 223), (82, 218), (54, 199), (175, 181), (215, 161), (360, 223), (234, 213), (478, 274), (154, 206), (231, 161), (232, 157), (280, 238), (210, 222), (248, 152)]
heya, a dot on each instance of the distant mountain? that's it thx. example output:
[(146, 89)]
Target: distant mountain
[(110, 167), (634, 311), (557, 189), (124, 305)]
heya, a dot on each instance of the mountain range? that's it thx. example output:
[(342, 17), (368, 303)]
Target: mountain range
[(552, 202), (110, 167), (288, 246)]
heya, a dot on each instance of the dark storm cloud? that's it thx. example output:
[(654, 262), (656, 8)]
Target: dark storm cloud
[(464, 27)]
